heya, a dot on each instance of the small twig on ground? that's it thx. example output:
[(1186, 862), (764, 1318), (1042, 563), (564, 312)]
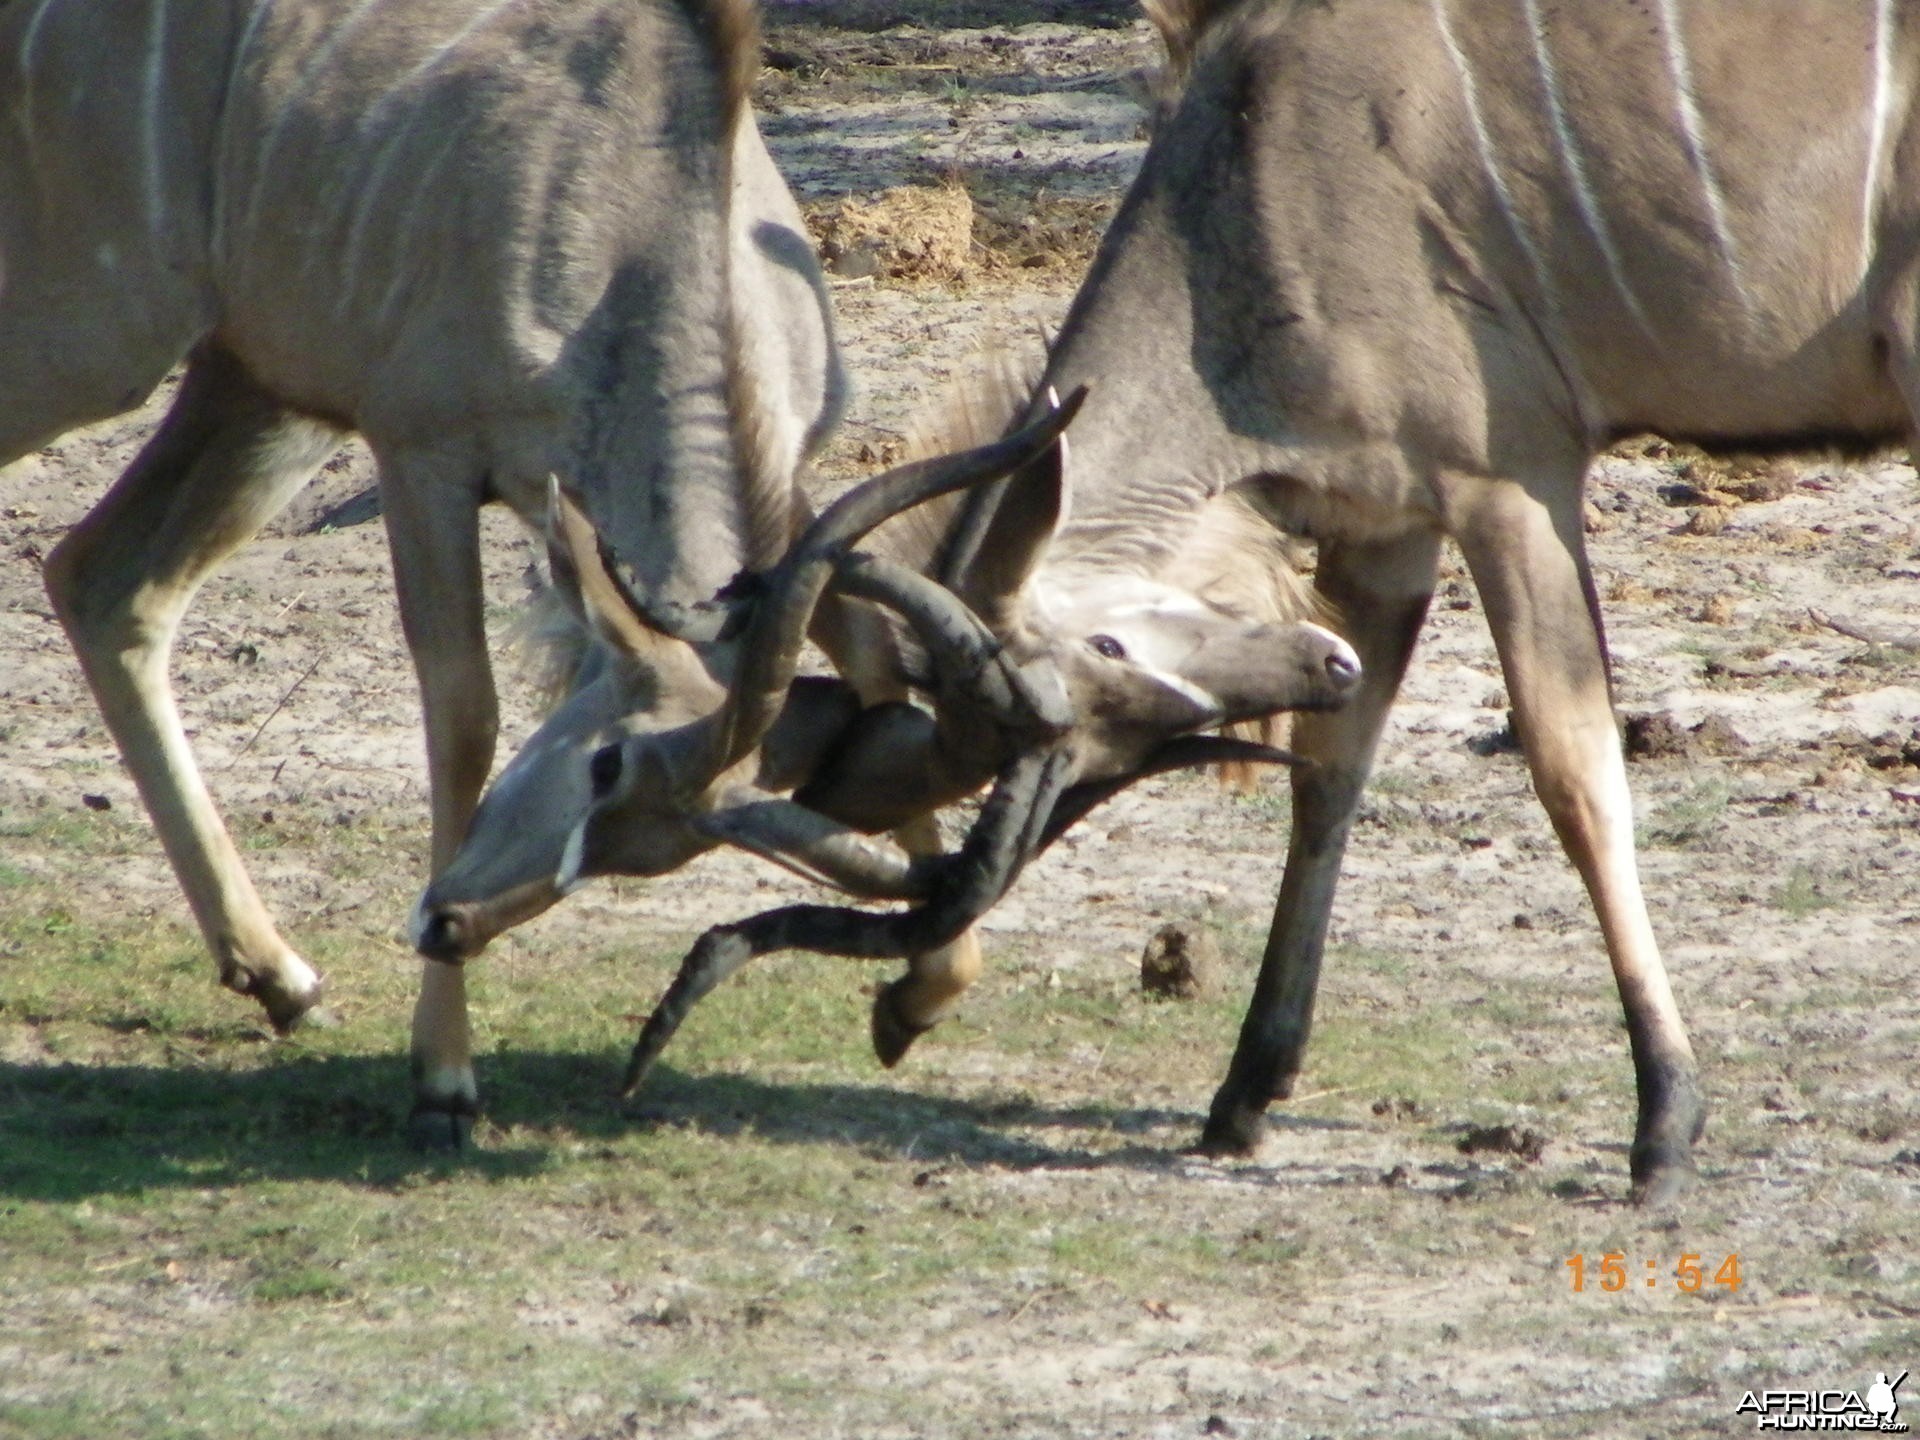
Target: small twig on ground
[(1854, 630), (112, 1265), (1101, 1058), (1868, 1297), (304, 676), (1042, 1293), (1321, 1094)]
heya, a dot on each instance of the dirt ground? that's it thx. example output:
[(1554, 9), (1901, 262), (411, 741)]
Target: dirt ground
[(1764, 626)]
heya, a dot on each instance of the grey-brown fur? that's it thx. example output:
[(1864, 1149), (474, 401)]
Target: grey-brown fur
[(1181, 25), (502, 240), (1221, 546), (1402, 267)]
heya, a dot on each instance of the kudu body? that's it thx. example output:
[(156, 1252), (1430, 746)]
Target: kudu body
[(500, 240), (1405, 266)]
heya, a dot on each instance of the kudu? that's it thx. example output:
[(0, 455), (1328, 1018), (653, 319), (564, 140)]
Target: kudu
[(1402, 267), (499, 240), (618, 782)]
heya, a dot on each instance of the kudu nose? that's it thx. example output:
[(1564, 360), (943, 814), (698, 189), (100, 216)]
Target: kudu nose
[(1341, 665), (441, 935), (1343, 668)]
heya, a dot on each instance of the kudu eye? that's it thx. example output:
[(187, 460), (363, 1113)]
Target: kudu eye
[(1108, 646), (604, 770)]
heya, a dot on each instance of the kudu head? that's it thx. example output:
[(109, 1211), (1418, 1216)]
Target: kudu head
[(1144, 658), (665, 718)]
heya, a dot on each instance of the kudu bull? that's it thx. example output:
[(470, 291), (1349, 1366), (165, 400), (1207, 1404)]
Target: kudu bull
[(499, 240), (1406, 265)]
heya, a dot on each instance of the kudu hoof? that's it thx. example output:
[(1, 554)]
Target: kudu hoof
[(314, 1017), (287, 1010), (1662, 1172), (435, 1131), (1233, 1131), (1673, 1116), (893, 1033), (1662, 1185)]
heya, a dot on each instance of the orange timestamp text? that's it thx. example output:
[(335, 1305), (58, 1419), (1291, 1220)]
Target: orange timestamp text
[(1613, 1271)]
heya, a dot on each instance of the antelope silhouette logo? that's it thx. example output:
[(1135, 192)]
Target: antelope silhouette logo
[(1880, 1397)]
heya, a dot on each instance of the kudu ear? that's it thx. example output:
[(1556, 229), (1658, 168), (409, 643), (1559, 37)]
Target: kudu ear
[(588, 584), (1029, 513)]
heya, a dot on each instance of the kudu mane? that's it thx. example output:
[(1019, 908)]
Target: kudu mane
[(772, 517), (732, 29), (732, 32), (1183, 24), (1223, 549)]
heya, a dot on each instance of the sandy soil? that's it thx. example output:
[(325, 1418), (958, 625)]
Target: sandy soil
[(1781, 810)]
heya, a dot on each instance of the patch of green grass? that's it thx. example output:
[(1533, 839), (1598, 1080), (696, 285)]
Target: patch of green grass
[(95, 834), (204, 1225), (1804, 892), (1422, 1055), (1690, 819), (1269, 802), (1369, 960), (1406, 783)]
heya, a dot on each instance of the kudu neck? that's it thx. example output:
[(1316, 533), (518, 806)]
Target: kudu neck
[(669, 483), (1157, 435)]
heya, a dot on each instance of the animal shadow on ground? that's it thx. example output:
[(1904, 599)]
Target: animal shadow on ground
[(70, 1132)]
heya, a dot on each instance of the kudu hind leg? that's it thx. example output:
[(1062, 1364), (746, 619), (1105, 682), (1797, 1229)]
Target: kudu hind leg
[(1529, 563), (1380, 593), (906, 1008), (432, 503), (224, 461)]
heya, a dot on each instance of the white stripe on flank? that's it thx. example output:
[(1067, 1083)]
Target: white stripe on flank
[(152, 84), (1691, 133), (311, 71), (29, 41), (1483, 139), (439, 56), (223, 175), (31, 37), (408, 224), (1877, 123), (1577, 170), (376, 175)]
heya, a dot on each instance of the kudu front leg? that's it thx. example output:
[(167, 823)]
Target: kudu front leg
[(222, 464), (1379, 594), (432, 506), (1529, 564)]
